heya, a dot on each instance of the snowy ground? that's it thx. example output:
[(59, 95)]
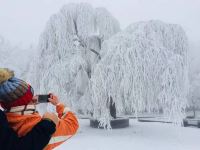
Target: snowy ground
[(139, 136)]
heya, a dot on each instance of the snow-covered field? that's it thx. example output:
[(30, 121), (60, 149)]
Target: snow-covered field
[(139, 136)]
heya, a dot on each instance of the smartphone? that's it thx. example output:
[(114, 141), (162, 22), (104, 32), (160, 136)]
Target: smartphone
[(43, 98)]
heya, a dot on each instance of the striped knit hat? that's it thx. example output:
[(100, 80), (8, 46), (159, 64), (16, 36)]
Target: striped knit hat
[(13, 91)]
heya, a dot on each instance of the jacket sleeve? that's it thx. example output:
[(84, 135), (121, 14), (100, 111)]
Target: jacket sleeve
[(36, 139), (7, 135), (68, 120), (66, 128)]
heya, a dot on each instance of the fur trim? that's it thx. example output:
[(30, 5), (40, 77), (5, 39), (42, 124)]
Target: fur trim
[(5, 74)]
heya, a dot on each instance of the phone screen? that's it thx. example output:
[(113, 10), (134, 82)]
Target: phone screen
[(43, 98)]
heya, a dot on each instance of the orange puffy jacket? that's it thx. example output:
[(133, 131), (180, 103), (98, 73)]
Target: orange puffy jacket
[(22, 124)]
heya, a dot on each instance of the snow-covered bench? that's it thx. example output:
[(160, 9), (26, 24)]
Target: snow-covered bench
[(191, 122)]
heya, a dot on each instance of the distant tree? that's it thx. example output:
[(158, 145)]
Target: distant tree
[(194, 92), (13, 57)]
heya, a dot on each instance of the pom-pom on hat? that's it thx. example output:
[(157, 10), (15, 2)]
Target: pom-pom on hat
[(13, 91)]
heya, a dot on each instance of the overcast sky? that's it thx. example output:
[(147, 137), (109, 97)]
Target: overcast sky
[(22, 21)]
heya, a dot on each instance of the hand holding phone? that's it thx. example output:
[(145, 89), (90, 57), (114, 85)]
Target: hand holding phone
[(53, 99)]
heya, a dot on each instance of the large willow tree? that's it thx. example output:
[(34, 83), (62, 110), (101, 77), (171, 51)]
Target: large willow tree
[(68, 50), (143, 68)]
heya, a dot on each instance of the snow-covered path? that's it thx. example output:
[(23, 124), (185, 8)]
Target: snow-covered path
[(139, 136)]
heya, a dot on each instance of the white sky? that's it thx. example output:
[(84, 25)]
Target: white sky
[(22, 21)]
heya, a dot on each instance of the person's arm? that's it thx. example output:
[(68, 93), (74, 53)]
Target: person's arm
[(67, 125), (36, 139), (7, 135), (68, 120)]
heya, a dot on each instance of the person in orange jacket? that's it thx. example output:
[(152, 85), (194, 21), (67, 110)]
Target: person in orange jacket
[(17, 98)]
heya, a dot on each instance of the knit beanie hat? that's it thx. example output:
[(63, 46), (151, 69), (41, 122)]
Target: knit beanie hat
[(13, 91)]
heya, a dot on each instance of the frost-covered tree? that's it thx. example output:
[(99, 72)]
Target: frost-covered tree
[(4, 50), (13, 57), (143, 68), (194, 92), (69, 48), (194, 78)]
